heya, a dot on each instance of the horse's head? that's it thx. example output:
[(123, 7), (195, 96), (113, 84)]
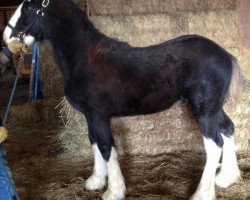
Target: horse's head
[(27, 22)]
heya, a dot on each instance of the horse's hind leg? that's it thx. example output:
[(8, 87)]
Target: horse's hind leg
[(105, 160), (229, 172), (213, 147)]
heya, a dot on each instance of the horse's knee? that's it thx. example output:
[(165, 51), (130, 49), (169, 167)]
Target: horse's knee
[(100, 134), (209, 127), (226, 125), (105, 143), (214, 126)]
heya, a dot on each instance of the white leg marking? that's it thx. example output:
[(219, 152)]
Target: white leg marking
[(28, 40), (98, 180), (206, 188), (229, 173), (116, 186)]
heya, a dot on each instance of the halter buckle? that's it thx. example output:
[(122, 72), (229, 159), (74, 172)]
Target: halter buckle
[(40, 13), (45, 3), (21, 36)]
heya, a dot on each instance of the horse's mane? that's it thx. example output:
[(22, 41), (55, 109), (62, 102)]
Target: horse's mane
[(98, 43)]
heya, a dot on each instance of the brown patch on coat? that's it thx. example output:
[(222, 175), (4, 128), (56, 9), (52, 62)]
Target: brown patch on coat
[(98, 51)]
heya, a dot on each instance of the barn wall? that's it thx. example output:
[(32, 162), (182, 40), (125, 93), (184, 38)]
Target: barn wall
[(143, 23), (243, 11), (1, 21)]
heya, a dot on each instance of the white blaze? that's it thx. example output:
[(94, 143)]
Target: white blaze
[(28, 40), (7, 31)]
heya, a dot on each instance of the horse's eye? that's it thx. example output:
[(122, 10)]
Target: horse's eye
[(27, 7)]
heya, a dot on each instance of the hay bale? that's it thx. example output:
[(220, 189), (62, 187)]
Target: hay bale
[(241, 118), (26, 112), (149, 135), (37, 111), (156, 28), (173, 130), (50, 74), (243, 56), (133, 7)]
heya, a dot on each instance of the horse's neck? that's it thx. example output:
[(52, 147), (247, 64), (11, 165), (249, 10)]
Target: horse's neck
[(70, 37)]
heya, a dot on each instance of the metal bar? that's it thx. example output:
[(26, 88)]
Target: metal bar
[(9, 8), (36, 74), (32, 73)]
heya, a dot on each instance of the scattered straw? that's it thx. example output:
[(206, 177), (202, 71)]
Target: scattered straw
[(37, 111)]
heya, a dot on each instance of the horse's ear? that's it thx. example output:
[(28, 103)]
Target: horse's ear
[(86, 9)]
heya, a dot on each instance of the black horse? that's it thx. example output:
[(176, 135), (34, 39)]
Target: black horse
[(105, 78)]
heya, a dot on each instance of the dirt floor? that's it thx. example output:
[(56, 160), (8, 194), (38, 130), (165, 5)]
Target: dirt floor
[(42, 170)]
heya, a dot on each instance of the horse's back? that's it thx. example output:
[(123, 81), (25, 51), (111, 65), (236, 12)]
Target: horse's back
[(191, 67)]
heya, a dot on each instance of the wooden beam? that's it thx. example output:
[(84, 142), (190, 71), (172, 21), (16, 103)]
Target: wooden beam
[(9, 8), (9, 3)]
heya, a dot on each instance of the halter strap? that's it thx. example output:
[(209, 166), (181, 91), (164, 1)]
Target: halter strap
[(39, 12), (10, 26), (45, 4)]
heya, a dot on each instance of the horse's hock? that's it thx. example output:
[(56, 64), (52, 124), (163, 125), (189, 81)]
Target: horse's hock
[(143, 23)]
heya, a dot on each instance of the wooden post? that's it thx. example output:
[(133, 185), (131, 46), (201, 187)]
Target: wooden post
[(243, 10)]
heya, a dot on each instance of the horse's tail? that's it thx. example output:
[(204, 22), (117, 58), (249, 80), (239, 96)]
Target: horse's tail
[(236, 84)]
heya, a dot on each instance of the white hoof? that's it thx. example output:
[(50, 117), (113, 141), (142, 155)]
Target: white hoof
[(109, 195), (205, 195), (225, 180), (95, 182)]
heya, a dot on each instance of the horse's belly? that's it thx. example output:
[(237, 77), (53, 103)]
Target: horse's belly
[(149, 104)]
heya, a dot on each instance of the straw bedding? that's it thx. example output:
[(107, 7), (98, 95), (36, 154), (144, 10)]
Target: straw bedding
[(43, 171)]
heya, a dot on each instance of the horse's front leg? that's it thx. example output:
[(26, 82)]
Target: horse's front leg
[(105, 160), (98, 179)]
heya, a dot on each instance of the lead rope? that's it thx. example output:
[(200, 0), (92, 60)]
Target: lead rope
[(21, 59)]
